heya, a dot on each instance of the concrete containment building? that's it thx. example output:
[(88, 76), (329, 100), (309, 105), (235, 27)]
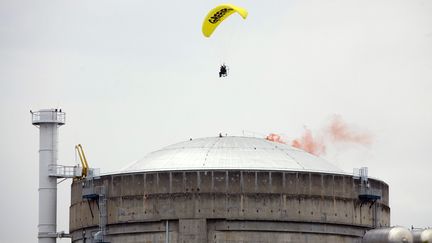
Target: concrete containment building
[(228, 190)]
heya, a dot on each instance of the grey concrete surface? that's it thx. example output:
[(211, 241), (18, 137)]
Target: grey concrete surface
[(230, 207)]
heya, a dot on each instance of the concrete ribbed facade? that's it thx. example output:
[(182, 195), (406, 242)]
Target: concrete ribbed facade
[(230, 206)]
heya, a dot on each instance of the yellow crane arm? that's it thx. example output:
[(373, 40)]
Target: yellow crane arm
[(83, 159)]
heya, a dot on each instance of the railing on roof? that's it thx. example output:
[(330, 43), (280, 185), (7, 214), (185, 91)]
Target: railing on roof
[(65, 171), (48, 116)]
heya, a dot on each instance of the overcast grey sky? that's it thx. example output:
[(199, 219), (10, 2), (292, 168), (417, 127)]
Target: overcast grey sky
[(134, 76)]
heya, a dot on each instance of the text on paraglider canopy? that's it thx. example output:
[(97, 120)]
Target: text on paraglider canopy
[(219, 14)]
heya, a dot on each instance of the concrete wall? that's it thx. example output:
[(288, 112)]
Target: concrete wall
[(231, 206)]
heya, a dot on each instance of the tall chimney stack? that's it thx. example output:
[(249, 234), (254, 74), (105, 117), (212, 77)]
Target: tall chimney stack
[(48, 121)]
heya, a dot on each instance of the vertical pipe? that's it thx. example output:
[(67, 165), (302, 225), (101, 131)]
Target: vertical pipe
[(375, 216), (47, 185), (167, 232)]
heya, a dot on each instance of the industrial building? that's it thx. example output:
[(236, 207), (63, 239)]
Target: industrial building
[(222, 189), (228, 189)]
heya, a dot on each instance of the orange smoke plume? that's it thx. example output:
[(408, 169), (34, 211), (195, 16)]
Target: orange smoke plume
[(309, 144), (275, 138), (339, 131)]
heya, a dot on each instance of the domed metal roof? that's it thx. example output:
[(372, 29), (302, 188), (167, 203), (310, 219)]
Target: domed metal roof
[(232, 153)]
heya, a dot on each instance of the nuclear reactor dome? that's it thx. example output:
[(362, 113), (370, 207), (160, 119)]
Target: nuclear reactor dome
[(234, 153)]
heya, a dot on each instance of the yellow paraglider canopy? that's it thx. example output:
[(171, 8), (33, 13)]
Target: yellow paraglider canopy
[(218, 15)]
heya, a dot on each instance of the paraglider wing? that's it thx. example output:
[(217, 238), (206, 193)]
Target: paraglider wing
[(218, 15)]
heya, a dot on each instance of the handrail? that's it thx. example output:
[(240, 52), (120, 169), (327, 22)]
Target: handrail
[(83, 159)]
